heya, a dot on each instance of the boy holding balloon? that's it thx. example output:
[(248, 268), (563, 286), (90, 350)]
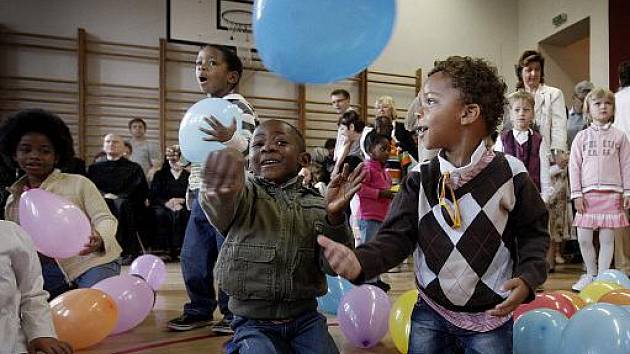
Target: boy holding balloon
[(36, 142), (270, 264), (473, 218), (218, 71), (25, 321)]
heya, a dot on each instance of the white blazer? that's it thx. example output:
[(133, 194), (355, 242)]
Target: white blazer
[(551, 117)]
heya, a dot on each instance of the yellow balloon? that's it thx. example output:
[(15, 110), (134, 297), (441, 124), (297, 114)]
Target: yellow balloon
[(84, 317), (400, 319), (593, 291)]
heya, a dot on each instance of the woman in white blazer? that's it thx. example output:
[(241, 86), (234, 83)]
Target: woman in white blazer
[(551, 119)]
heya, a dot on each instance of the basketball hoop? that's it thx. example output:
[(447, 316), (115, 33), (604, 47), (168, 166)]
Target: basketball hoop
[(239, 23)]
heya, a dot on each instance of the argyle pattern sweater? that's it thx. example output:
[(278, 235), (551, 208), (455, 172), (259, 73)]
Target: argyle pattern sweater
[(503, 235)]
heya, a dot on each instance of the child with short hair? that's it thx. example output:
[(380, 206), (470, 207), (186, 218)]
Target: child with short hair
[(599, 173), (375, 194), (270, 264), (473, 218), (25, 321), (218, 71)]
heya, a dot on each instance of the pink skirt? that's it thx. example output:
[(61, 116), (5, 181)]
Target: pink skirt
[(603, 210)]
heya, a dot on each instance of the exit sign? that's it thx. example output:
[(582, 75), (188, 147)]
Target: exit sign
[(559, 20)]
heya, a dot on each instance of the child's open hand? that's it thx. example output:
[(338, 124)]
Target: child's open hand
[(341, 259), (518, 293), (218, 132), (224, 172), (340, 191), (48, 345)]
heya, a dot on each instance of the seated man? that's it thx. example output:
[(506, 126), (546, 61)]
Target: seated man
[(124, 186)]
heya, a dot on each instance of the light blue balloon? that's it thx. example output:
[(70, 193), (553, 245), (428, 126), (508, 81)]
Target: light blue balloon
[(321, 41), (337, 288), (614, 276), (191, 142), (538, 331), (597, 329)]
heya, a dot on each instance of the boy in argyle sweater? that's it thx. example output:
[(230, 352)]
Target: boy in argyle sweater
[(472, 217)]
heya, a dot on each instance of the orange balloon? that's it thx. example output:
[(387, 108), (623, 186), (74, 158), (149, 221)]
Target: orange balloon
[(575, 299), (84, 317), (617, 297)]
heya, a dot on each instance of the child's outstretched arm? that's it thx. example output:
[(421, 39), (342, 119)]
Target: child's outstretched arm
[(35, 317), (341, 190), (395, 240), (223, 179)]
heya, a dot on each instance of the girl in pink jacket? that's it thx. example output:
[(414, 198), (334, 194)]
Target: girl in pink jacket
[(599, 171)]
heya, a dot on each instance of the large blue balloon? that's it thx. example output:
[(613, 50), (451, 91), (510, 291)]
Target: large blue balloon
[(337, 288), (321, 41), (614, 276), (191, 142), (597, 329), (539, 331)]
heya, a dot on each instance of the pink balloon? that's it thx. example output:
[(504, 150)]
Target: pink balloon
[(150, 268), (363, 315), (133, 296), (59, 229)]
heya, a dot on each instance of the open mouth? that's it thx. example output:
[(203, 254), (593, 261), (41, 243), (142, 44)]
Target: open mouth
[(269, 162), (202, 79)]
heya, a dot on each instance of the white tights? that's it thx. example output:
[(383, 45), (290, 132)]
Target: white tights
[(606, 248)]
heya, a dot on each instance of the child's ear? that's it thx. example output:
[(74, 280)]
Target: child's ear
[(470, 113), (233, 77), (304, 159)]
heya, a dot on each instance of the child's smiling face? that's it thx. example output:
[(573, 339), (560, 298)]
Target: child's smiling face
[(276, 152)]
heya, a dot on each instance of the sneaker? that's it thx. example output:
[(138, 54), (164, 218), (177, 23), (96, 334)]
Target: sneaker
[(560, 260), (585, 279), (223, 326), (187, 322)]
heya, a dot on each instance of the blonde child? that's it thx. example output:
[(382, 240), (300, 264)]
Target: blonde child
[(599, 172)]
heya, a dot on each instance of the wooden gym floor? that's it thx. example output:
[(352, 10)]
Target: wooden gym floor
[(153, 337)]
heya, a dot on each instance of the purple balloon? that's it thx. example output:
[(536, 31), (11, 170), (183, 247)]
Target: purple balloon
[(133, 296), (59, 229), (363, 315), (150, 268)]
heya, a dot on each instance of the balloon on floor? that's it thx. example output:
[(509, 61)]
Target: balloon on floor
[(337, 288), (83, 317), (400, 319), (150, 268), (538, 331)]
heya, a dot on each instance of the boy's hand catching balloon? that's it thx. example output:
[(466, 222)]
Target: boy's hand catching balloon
[(518, 293)]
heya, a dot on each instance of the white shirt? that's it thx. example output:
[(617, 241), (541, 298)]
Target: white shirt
[(622, 110), (24, 312), (546, 190)]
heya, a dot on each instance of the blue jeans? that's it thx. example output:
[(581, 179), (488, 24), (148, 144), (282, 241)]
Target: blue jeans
[(200, 250), (307, 334), (432, 334), (55, 280), (368, 229)]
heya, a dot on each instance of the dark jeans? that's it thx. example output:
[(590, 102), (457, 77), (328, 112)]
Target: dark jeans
[(200, 249), (432, 334), (55, 281), (307, 334)]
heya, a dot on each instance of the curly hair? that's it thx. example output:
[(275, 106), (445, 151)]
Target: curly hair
[(478, 83), (35, 121)]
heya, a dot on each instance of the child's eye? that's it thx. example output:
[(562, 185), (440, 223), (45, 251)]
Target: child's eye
[(431, 100), (282, 143)]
